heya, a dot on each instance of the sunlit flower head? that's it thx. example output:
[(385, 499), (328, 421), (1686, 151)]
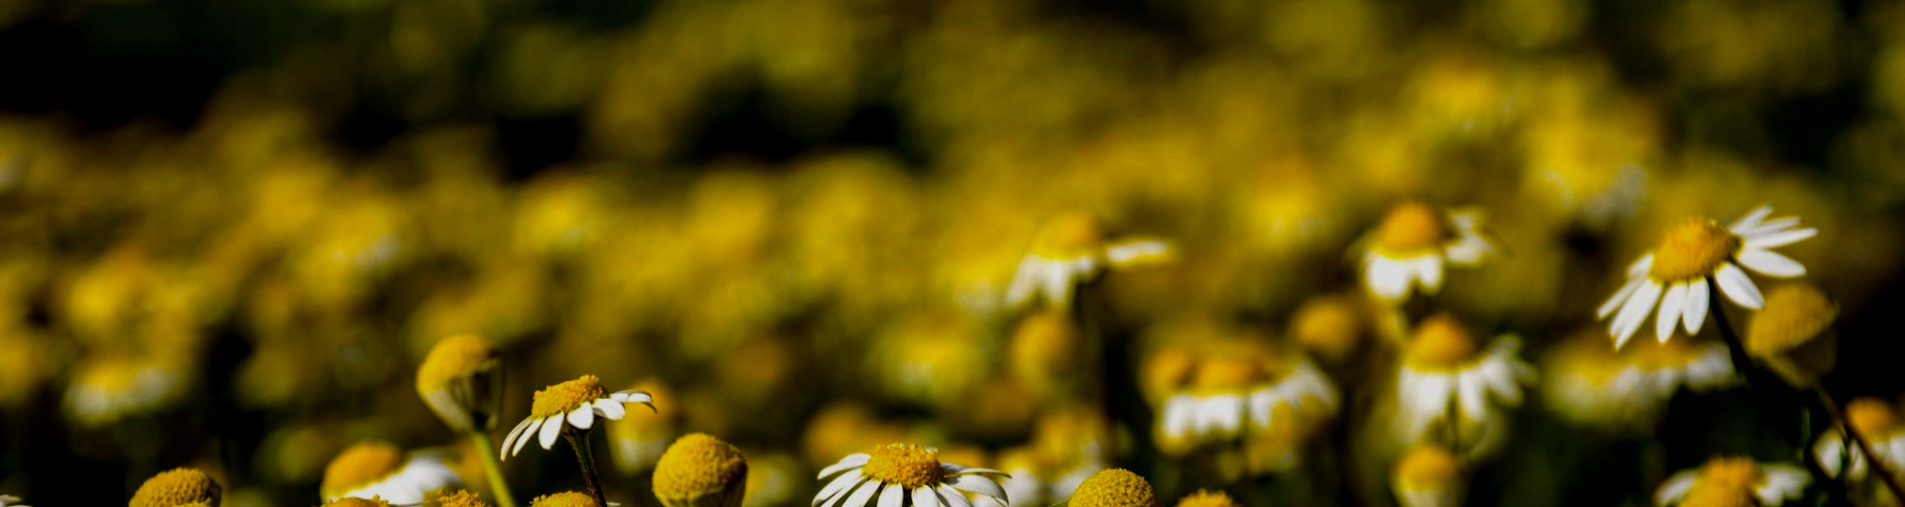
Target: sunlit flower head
[(1236, 384), (1428, 476), (108, 387), (565, 499), (1414, 245), (1072, 250), (1447, 371), (905, 474), (701, 471), (1205, 498), (1585, 381), (1725, 481), (572, 404), (1691, 255), (461, 498), (1875, 421), (381, 470), (455, 381), (1115, 487), (178, 486), (635, 443), (1792, 334)]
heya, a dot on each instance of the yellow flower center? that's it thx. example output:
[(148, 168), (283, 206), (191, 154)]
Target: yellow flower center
[(1428, 468), (1070, 236), (1328, 325), (455, 357), (1870, 416), (1719, 495), (698, 464), (1411, 226), (1793, 314), (567, 396), (1225, 371), (1115, 487), (907, 465), (1742, 472), (461, 499), (360, 465), (358, 502), (565, 499), (178, 486), (1203, 498), (1441, 342), (1693, 249), (109, 372)]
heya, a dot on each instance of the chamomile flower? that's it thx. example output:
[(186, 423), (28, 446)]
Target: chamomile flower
[(701, 471), (1416, 243), (904, 475), (565, 499), (1732, 481), (1585, 381), (455, 381), (572, 404), (1446, 371), (1238, 384), (1691, 255), (381, 470), (1073, 250), (461, 499), (1792, 335), (1428, 476), (1115, 487), (178, 486), (1875, 421)]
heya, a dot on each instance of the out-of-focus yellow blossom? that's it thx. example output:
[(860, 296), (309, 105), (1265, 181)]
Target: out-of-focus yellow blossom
[(1876, 421), (1332, 327), (843, 428), (933, 357), (1227, 381), (1461, 94), (772, 479), (1048, 355), (1793, 334), (109, 386), (1732, 481), (503, 299), (1585, 381), (380, 470), (1412, 247), (457, 381), (1073, 250), (29, 361), (1429, 476), (1452, 387), (636, 442), (1780, 47), (559, 214), (360, 238)]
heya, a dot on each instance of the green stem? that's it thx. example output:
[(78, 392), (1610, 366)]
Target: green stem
[(1762, 389), (498, 487), (1872, 460), (579, 440)]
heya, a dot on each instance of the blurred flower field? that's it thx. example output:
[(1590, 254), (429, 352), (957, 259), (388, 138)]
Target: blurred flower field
[(982, 253)]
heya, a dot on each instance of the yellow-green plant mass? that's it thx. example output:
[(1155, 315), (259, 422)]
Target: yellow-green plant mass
[(960, 253)]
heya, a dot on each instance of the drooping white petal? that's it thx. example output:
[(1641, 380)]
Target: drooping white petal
[(1779, 239), (611, 409), (952, 496), (1737, 287), (979, 485), (1620, 296), (1428, 268), (893, 495), (862, 494), (1670, 307), (1058, 279), (1635, 312), (1751, 219), (510, 441), (962, 470), (582, 417), (852, 461), (1675, 487), (1695, 313), (1180, 415), (1770, 264), (1781, 482), (838, 486), (530, 431), (1471, 397), (551, 428)]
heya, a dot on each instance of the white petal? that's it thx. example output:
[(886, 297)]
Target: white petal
[(850, 462), (862, 494), (1180, 415), (1634, 312), (1058, 279), (1670, 307), (1620, 296), (1675, 487), (1641, 265), (1738, 287), (1471, 397), (508, 441), (838, 486), (1751, 219), (1387, 278), (1695, 313), (952, 496), (1770, 264), (980, 485), (894, 495), (1429, 270), (1138, 252), (551, 427), (1779, 239), (1769, 227), (582, 417), (923, 497), (1024, 281), (970, 470), (611, 409), (528, 432)]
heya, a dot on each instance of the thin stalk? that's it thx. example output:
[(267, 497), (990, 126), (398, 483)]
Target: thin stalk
[(579, 440), (1878, 466), (493, 469)]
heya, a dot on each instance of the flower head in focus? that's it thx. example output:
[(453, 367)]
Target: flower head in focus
[(572, 404), (904, 474), (1115, 487), (455, 380), (381, 470), (1725, 481), (1415, 244), (701, 471), (1695, 253), (1072, 250), (565, 499), (461, 498), (178, 486)]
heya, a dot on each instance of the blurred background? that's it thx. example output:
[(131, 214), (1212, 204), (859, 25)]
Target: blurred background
[(244, 223)]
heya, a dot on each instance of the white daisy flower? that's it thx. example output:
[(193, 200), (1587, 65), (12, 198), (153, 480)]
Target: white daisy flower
[(1675, 276), (380, 470), (1415, 243), (1733, 481), (1073, 250), (572, 404), (1587, 382), (1446, 372), (1428, 476), (897, 475), (1238, 385), (1878, 424)]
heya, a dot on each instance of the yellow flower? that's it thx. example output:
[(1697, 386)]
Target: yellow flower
[(176, 487), (1731, 481), (1204, 498), (1791, 334), (701, 471), (1693, 254), (1428, 476), (381, 470), (1115, 487), (1414, 243), (461, 499), (1445, 370), (1072, 250), (572, 404), (565, 499), (454, 380), (894, 470)]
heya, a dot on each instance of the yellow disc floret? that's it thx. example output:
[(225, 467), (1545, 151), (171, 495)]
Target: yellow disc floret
[(565, 499), (1692, 250), (1441, 342), (1204, 498), (1072, 235), (461, 499), (176, 487), (1411, 226), (1719, 495), (360, 465), (1793, 315), (567, 396), (358, 502), (698, 464), (1330, 326), (1428, 468), (1869, 416), (907, 465), (455, 357), (1730, 471), (1115, 487)]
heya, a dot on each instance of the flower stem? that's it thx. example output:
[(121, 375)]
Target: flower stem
[(1872, 459), (498, 487), (579, 440)]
